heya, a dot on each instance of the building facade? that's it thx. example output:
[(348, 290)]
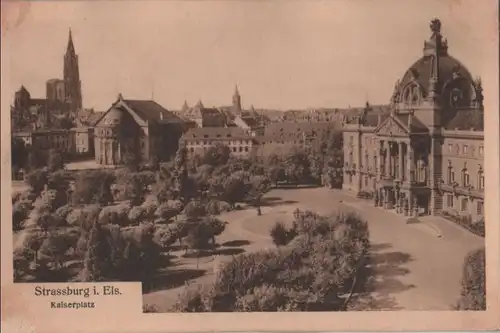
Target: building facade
[(425, 155), (136, 131), (198, 140)]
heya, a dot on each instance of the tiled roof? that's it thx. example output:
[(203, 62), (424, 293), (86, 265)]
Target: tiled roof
[(294, 131), (467, 120), (416, 125), (152, 111), (214, 133)]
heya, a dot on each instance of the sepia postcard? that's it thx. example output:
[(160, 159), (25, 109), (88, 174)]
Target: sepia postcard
[(194, 166)]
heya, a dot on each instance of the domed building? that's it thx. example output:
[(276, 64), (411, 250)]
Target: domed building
[(426, 154), (136, 131)]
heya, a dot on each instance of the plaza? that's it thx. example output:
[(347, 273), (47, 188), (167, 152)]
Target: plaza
[(407, 275)]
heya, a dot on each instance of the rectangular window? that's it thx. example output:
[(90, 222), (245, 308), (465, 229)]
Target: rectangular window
[(481, 181), (465, 205), (481, 150), (241, 149), (465, 149), (449, 200), (246, 149), (480, 208)]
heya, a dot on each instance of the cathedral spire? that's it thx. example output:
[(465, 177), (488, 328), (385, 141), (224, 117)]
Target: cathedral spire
[(70, 50), (236, 100)]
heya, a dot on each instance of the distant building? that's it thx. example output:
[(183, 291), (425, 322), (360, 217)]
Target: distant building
[(62, 141), (63, 97), (198, 140), (426, 154), (280, 138), (136, 129)]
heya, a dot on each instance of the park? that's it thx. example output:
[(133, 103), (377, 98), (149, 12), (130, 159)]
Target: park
[(408, 276)]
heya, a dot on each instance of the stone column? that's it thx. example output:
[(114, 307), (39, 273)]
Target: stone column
[(410, 157), (400, 161), (387, 158)]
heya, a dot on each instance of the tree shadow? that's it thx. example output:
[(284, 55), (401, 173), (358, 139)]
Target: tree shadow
[(274, 201), (237, 243), (379, 279), (229, 252), (171, 279), (209, 253)]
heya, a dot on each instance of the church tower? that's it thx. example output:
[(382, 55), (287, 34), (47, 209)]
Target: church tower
[(72, 84), (236, 101)]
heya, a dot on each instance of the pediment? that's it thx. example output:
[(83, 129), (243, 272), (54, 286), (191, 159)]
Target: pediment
[(391, 127)]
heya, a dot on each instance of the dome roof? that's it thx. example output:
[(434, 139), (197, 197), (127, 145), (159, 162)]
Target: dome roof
[(448, 69), (439, 73), (113, 117)]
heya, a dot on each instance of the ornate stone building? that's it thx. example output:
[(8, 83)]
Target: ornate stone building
[(426, 154), (63, 98), (136, 131)]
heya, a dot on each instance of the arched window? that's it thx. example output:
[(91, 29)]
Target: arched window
[(465, 176), (421, 171), (451, 173), (480, 180)]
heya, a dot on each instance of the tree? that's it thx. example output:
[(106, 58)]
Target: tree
[(216, 155), (19, 152), (20, 211), (131, 160), (167, 211), (473, 293), (136, 214), (258, 187), (54, 247), (280, 234), (37, 180), (95, 262), (93, 187), (234, 190), (55, 161)]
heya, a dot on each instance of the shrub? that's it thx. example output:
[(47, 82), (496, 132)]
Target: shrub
[(473, 294), (280, 234), (311, 273)]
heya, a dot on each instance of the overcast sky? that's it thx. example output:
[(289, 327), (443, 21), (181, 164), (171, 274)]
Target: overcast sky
[(293, 54)]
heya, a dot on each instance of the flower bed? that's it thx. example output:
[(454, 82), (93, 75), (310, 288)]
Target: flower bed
[(476, 227)]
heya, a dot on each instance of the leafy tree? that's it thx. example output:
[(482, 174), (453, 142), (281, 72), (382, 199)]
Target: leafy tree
[(167, 211), (136, 214), (258, 187), (20, 211), (473, 293), (85, 217), (234, 190), (93, 187), (95, 261), (280, 234), (37, 180), (165, 236), (19, 152), (55, 161), (217, 155), (131, 160), (54, 247)]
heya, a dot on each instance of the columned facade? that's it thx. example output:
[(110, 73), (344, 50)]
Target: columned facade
[(425, 153)]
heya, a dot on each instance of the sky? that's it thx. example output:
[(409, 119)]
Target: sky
[(282, 55)]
